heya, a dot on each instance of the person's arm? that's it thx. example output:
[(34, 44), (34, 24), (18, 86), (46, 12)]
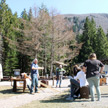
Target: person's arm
[(37, 68), (77, 76), (102, 67), (63, 71), (85, 67), (101, 70)]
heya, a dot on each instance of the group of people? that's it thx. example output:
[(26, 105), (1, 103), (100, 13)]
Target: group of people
[(32, 79), (88, 74)]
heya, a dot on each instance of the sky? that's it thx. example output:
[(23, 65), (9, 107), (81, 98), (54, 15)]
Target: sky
[(62, 6)]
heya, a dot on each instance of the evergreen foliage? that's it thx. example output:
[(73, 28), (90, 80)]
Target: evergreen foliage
[(48, 37), (10, 60), (94, 41)]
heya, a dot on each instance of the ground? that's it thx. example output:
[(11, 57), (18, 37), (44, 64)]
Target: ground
[(48, 98)]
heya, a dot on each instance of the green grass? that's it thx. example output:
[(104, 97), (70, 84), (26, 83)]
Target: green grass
[(59, 101), (6, 91)]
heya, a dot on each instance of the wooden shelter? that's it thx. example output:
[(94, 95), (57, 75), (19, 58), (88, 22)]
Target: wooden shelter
[(59, 63)]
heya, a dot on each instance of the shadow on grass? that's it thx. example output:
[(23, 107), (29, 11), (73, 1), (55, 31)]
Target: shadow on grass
[(60, 87), (62, 99), (10, 91)]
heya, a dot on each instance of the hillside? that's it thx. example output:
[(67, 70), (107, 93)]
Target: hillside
[(78, 20)]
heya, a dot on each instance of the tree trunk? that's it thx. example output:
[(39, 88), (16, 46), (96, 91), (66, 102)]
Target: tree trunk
[(52, 48)]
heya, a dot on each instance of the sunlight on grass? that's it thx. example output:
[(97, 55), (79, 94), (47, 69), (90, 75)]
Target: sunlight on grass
[(57, 101)]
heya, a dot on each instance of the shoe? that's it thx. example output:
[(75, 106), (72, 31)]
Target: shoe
[(92, 100), (75, 96), (70, 99), (79, 96), (99, 100), (32, 93), (37, 92)]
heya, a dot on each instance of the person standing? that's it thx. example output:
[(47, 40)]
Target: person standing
[(34, 75), (59, 75), (92, 74)]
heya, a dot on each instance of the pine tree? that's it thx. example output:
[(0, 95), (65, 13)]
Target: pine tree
[(7, 30), (30, 15), (87, 39), (24, 58), (24, 15), (94, 40), (101, 47)]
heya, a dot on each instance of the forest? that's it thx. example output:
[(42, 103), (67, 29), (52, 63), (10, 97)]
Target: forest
[(46, 35)]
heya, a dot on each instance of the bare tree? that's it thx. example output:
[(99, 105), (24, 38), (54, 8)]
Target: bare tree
[(61, 34), (47, 36)]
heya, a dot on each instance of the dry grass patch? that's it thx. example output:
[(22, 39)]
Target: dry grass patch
[(6, 91), (59, 101)]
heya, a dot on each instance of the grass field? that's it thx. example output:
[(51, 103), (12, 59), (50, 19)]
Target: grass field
[(59, 101), (6, 91)]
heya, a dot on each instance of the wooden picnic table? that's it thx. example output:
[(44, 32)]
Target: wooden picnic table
[(15, 80)]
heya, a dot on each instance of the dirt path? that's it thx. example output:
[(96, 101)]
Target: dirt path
[(19, 100), (16, 101)]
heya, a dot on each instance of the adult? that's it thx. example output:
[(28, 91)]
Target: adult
[(92, 74), (78, 81), (34, 75), (59, 75)]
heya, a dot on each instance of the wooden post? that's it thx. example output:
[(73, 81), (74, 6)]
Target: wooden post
[(53, 81), (15, 86)]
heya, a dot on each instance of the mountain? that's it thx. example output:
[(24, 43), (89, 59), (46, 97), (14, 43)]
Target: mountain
[(77, 20)]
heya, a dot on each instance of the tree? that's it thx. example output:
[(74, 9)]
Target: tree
[(46, 36), (88, 40), (7, 31), (94, 40), (30, 15), (101, 44), (61, 35), (24, 15), (1, 49)]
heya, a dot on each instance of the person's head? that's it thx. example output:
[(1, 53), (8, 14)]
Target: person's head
[(60, 66), (35, 61), (83, 69), (92, 56)]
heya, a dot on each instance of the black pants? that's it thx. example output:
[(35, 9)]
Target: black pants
[(75, 87)]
